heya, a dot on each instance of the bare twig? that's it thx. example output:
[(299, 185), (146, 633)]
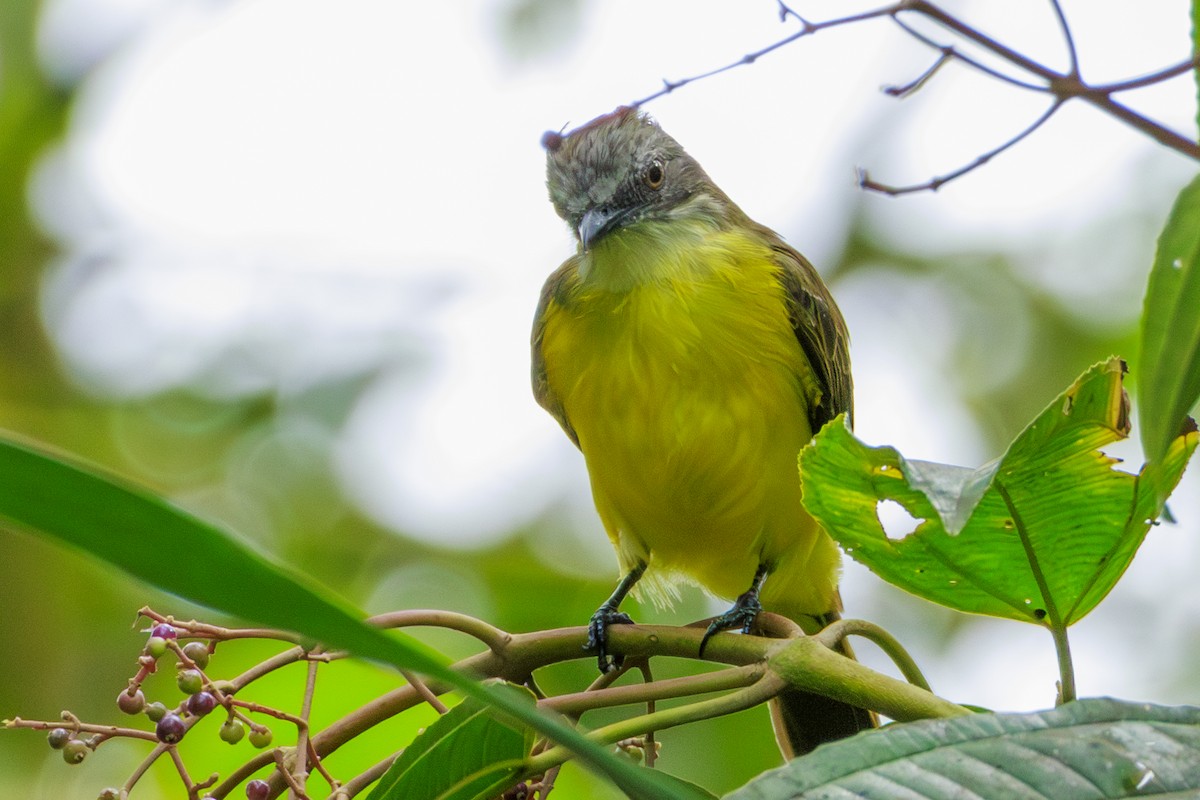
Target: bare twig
[(490, 635), (904, 90), (107, 731), (722, 680), (300, 770), (355, 785), (933, 184), (1040, 78), (1068, 38), (973, 63), (295, 787)]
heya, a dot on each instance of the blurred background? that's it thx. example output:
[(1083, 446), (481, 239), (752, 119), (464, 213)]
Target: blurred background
[(278, 259)]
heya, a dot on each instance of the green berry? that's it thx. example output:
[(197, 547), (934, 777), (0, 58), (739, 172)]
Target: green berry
[(58, 738), (197, 652), (189, 681), (156, 646), (131, 703), (261, 737), (156, 711), (232, 731), (74, 752)]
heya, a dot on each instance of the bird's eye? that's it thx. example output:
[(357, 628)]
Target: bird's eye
[(653, 175)]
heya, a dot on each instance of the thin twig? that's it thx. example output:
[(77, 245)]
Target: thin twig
[(108, 731), (722, 680), (426, 693), (767, 687), (651, 745), (302, 740), (1068, 38), (973, 63), (786, 11), (1149, 79), (490, 635), (295, 788), (913, 86), (933, 184), (807, 29), (363, 780), (1062, 85)]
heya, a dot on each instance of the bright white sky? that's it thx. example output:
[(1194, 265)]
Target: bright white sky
[(269, 194)]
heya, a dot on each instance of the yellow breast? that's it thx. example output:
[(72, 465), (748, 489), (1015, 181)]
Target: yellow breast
[(688, 392)]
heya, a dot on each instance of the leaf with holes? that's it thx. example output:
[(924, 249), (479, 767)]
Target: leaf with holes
[(1089, 748), (1040, 535)]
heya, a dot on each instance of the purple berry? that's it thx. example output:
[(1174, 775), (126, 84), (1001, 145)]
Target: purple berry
[(257, 790), (163, 631), (58, 738), (131, 703), (109, 794), (170, 729), (201, 703)]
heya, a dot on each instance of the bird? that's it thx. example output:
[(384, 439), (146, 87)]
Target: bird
[(690, 354)]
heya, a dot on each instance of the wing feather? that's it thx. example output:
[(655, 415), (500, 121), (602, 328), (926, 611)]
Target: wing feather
[(552, 293), (821, 332)]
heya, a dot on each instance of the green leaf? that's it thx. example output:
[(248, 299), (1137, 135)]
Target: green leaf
[(1086, 749), (166, 547), (467, 753), (1195, 51), (1041, 535), (1169, 365)]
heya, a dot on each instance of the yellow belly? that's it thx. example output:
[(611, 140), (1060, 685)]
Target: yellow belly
[(688, 396)]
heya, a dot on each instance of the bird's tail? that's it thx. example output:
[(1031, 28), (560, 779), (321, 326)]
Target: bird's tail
[(804, 720)]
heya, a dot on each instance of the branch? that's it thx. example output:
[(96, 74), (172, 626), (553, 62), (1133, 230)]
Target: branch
[(1062, 86), (933, 184), (1068, 38)]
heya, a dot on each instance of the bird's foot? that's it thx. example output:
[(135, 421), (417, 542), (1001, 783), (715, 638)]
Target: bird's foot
[(598, 636), (739, 617)]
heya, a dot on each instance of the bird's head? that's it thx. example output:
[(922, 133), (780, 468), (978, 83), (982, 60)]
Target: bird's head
[(621, 169)]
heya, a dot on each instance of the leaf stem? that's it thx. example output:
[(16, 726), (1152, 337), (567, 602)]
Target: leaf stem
[(1053, 619), (1066, 667)]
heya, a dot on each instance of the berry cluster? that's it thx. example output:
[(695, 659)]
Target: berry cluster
[(202, 696)]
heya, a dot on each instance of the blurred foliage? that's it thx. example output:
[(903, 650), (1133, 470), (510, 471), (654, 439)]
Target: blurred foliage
[(533, 28), (64, 619)]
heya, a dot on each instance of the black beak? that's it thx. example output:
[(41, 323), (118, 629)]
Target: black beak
[(598, 221)]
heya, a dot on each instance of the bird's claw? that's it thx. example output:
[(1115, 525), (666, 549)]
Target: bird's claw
[(741, 616), (598, 637)]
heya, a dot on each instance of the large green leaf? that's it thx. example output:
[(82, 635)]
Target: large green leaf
[(166, 547), (467, 753), (1086, 749), (1041, 535), (1196, 51), (1169, 365)]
